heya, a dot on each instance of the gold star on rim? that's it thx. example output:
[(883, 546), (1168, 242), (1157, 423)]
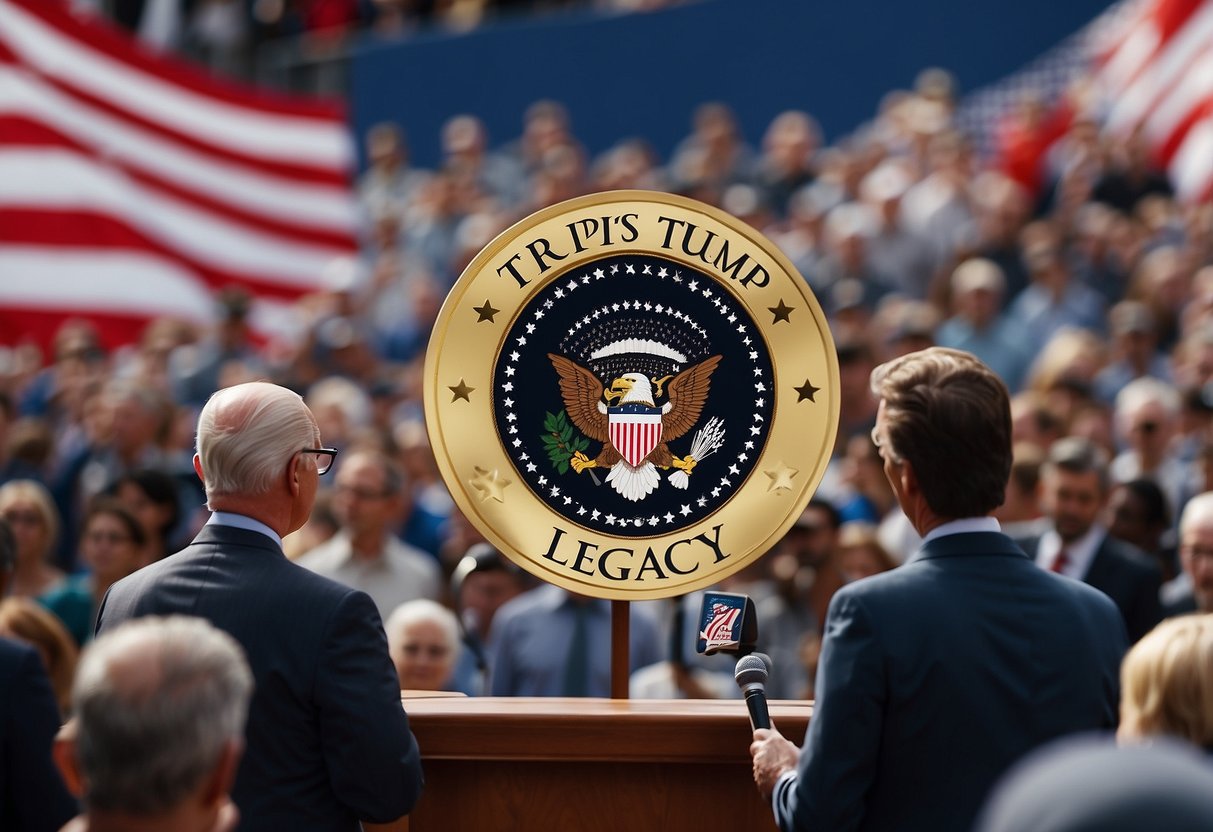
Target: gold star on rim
[(781, 477), (782, 312), (486, 312), (490, 484), (807, 391), (461, 391)]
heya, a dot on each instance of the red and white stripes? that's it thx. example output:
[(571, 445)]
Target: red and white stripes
[(131, 184)]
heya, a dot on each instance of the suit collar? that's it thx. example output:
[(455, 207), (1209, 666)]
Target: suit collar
[(967, 544), (232, 536)]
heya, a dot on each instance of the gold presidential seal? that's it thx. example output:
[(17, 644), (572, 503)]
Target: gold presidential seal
[(631, 394)]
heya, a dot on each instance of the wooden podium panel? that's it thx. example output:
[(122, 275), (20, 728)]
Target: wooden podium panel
[(590, 765)]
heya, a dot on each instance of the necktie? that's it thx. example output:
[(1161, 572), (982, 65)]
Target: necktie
[(1061, 562), (577, 663)]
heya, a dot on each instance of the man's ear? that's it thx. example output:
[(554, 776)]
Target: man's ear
[(909, 479), (293, 476), (198, 467), (219, 784), (66, 760)]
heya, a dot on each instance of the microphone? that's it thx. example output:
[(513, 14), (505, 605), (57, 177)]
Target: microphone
[(751, 676)]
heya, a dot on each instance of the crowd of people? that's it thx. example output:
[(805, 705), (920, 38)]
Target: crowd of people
[(1063, 262)]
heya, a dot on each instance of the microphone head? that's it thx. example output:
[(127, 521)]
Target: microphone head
[(751, 670)]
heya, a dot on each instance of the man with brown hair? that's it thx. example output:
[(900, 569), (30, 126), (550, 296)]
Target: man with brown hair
[(936, 676)]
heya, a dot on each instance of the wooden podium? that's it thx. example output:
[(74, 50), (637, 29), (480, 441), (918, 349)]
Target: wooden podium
[(589, 765)]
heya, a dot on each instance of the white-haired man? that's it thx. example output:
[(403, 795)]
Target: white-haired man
[(328, 743), (1192, 591), (159, 709)]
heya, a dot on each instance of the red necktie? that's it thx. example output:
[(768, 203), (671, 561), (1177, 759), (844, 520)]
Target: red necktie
[(1060, 562)]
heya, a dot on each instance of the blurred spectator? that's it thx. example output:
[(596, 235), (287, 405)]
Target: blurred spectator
[(871, 499), (475, 173), (1020, 514), (160, 710), (196, 368), (1138, 514), (1147, 416), (152, 497), (1075, 489), (24, 620), (787, 162), (978, 325), (111, 547), (860, 553), (1053, 299), (1090, 785), (365, 554), (1166, 683), (713, 157), (423, 639), (483, 580), (900, 255), (1135, 351), (31, 514), (1192, 591), (388, 179), (550, 642), (33, 797), (1131, 175), (805, 564)]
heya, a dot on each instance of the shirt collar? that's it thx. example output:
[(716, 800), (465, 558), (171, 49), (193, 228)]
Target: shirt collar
[(1079, 554), (241, 521), (965, 525)]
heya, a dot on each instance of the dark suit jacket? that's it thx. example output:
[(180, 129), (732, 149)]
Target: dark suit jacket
[(32, 795), (938, 675), (328, 742), (1127, 576)]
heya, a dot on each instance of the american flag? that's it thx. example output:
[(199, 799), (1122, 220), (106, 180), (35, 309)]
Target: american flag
[(1151, 64), (132, 185), (1155, 70)]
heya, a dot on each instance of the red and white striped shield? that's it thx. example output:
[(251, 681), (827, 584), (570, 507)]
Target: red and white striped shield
[(635, 430)]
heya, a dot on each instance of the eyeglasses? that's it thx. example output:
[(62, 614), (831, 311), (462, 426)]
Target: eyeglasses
[(360, 493), (23, 518), (107, 537), (324, 458), (432, 651)]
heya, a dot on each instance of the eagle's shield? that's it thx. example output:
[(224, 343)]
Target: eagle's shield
[(635, 430)]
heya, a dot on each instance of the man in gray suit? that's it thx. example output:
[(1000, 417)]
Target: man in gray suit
[(936, 676), (327, 742)]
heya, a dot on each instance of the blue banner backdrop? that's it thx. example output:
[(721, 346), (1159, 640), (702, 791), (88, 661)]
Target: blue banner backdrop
[(642, 75)]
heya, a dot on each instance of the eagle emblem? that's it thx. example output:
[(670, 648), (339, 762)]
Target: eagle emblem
[(634, 430)]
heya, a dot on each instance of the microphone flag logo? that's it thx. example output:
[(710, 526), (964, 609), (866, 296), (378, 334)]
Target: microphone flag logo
[(720, 629)]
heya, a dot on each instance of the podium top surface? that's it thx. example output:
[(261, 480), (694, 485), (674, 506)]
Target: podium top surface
[(588, 729)]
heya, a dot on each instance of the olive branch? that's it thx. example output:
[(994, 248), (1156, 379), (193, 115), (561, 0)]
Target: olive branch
[(562, 442)]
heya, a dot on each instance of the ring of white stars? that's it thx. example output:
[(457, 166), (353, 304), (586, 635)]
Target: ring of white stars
[(716, 487)]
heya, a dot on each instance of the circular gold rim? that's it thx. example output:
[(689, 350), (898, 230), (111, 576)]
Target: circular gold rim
[(451, 451)]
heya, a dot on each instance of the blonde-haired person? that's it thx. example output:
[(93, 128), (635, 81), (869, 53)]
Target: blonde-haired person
[(1166, 683), (28, 621), (31, 514), (423, 640)]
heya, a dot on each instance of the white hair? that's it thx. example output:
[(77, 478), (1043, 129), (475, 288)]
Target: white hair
[(247, 434), (422, 609), (156, 701), (1143, 391), (1197, 512), (343, 394)]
